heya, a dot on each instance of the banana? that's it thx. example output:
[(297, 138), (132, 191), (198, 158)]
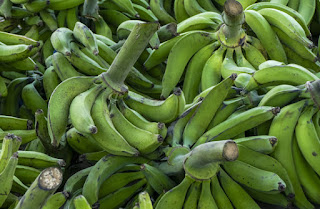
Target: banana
[(177, 61), (85, 36), (158, 10), (57, 116), (253, 55), (264, 143), (47, 49), (200, 120), (76, 181), (236, 125), (236, 194), (104, 39), (6, 151), (92, 156), (227, 108), (14, 39), (102, 170), (108, 138), (206, 199), (102, 28), (145, 141), (281, 74), (176, 128), (287, 24), (143, 3), (167, 32), (69, 202), (8, 25), (297, 47), (6, 177), (36, 5), (282, 127), (167, 110), (80, 109), (159, 181), (41, 189), (144, 200), (61, 40), (228, 66), (11, 200), (307, 137), (24, 65), (266, 163), (280, 96), (113, 17), (56, 201), (197, 22), (80, 202), (194, 71), (11, 105), (38, 159), (62, 67), (72, 17), (82, 62), (61, 18), (50, 81), (3, 87), (49, 19), (12, 53), (118, 181), (266, 35), (211, 73), (307, 10), (18, 186), (219, 195), (64, 4), (176, 196), (14, 123), (118, 198), (79, 143), (307, 176), (193, 7), (138, 120), (193, 195), (26, 174), (272, 199), (145, 14), (180, 12), (32, 98)]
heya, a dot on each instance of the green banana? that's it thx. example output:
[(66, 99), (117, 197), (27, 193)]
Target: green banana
[(38, 159), (219, 195), (85, 36), (236, 125), (72, 17), (62, 67), (56, 201), (57, 116), (158, 10), (77, 180), (50, 81), (193, 195), (49, 19), (80, 202), (176, 196), (263, 143), (14, 123), (206, 199), (26, 174)]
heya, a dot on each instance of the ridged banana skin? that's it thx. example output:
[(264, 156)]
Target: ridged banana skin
[(175, 197), (206, 199), (236, 125), (80, 110), (32, 98), (297, 47), (194, 71), (219, 195), (307, 10), (117, 181), (56, 201), (14, 39), (12, 53), (280, 96), (158, 10), (144, 200), (236, 194), (291, 74), (59, 105), (192, 196), (118, 198), (85, 36), (177, 61), (107, 137), (253, 55), (264, 144), (251, 176), (287, 24), (14, 123), (76, 181), (266, 35), (38, 159), (63, 67), (50, 81), (200, 120), (308, 139), (211, 73), (282, 127), (80, 202), (265, 162), (64, 4), (167, 110), (196, 23), (104, 168), (180, 12), (145, 141), (309, 180), (193, 7)]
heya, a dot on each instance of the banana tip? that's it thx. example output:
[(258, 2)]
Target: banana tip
[(93, 130), (281, 187)]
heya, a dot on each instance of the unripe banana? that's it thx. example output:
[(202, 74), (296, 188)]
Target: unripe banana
[(85, 36)]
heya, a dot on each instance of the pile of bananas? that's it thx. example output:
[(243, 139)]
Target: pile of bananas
[(165, 104)]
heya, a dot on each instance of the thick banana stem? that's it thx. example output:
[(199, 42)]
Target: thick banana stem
[(45, 185), (231, 33), (128, 55), (203, 161)]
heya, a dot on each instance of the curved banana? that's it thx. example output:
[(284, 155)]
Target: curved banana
[(263, 143), (206, 199), (85, 36), (61, 40), (193, 195), (158, 10), (219, 195)]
